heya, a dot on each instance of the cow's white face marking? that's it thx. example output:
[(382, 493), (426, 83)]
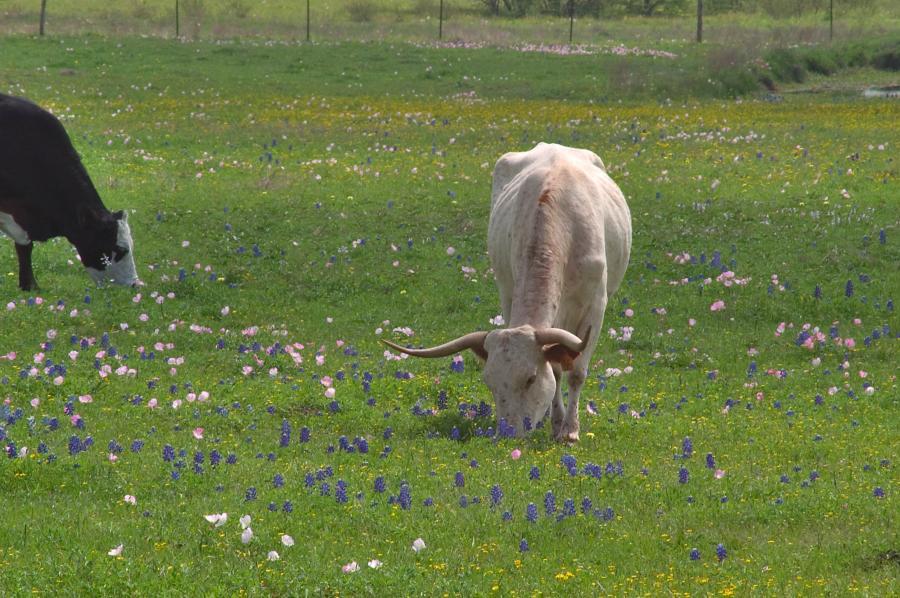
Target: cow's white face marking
[(519, 376), (11, 229), (123, 271)]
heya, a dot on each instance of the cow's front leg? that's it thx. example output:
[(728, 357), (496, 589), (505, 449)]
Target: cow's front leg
[(26, 274), (570, 425), (557, 411)]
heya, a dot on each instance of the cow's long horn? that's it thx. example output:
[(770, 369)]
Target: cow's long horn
[(473, 340), (549, 336)]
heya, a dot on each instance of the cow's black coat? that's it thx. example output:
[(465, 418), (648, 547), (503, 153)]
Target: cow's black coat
[(47, 191)]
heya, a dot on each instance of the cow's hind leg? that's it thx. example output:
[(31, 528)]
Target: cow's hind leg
[(26, 274)]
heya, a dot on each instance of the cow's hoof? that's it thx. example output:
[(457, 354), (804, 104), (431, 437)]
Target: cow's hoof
[(568, 436)]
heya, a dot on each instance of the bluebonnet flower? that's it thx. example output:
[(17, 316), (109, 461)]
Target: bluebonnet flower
[(388, 432), (42, 448), (817, 293), (785, 479), (683, 475), (568, 508), (531, 512), (710, 461), (199, 457), (379, 484), (549, 503), (309, 480), (586, 505), (176, 475), (459, 481), (304, 434), (250, 494), (231, 459), (687, 447), (593, 470), (287, 507), (848, 289), (278, 480), (463, 501), (340, 493), (695, 554), (272, 507), (168, 453), (428, 502), (405, 497), (507, 516), (523, 545), (325, 489), (496, 495), (285, 433), (878, 492), (534, 473), (721, 553), (75, 446), (813, 475), (362, 445)]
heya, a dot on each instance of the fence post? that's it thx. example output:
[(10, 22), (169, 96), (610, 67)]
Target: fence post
[(307, 20), (43, 15), (177, 23), (571, 19), (830, 20), (699, 21), (441, 21)]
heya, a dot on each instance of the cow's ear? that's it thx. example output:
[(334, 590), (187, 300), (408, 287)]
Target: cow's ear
[(562, 355), (120, 215)]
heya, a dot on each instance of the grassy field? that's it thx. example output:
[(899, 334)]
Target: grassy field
[(293, 204)]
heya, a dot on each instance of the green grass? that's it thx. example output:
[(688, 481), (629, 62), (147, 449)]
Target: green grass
[(351, 168)]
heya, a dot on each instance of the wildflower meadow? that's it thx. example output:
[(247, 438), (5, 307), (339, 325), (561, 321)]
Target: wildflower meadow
[(236, 426)]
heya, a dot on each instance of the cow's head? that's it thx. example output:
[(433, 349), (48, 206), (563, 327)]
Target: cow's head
[(519, 364), (108, 252)]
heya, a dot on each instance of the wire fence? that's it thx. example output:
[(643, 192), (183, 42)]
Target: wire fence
[(363, 20)]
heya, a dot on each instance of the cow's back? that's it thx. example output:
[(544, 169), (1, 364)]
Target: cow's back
[(557, 204), (42, 179)]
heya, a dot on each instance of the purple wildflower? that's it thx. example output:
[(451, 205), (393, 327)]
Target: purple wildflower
[(496, 495), (549, 502)]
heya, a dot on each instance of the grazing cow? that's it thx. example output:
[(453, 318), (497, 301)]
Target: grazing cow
[(559, 240), (45, 192)]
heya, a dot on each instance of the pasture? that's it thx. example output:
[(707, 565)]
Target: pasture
[(293, 204)]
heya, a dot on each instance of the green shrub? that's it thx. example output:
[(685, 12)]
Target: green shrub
[(361, 11), (786, 65), (887, 59), (822, 61)]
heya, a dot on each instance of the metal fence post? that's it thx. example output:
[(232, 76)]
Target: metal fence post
[(307, 20), (699, 21), (43, 15), (441, 21), (571, 19), (177, 23)]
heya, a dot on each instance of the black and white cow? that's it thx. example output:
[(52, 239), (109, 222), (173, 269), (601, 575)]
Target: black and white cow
[(45, 192)]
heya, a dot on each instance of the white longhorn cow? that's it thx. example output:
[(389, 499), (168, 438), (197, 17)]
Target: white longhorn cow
[(559, 240)]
